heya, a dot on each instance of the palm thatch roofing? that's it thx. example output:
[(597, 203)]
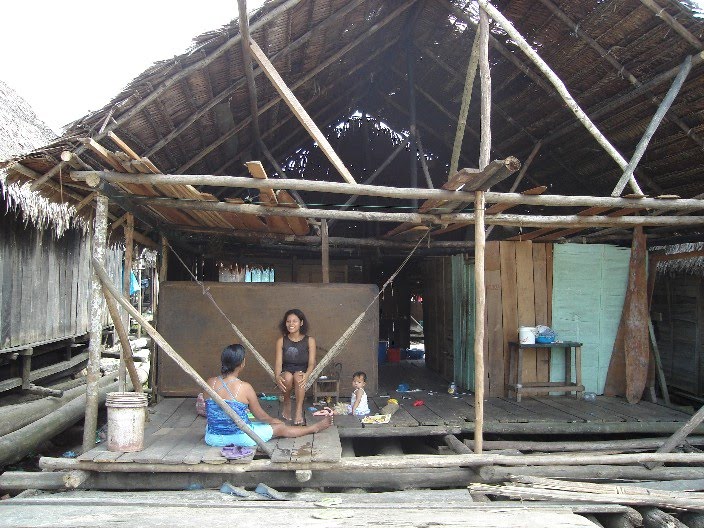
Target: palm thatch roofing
[(363, 69), (21, 132)]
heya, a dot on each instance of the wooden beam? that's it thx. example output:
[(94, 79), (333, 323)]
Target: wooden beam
[(485, 76), (227, 92), (243, 20), (296, 107), (652, 127), (670, 21), (464, 106), (560, 87), (680, 204), (310, 75), (620, 68), (554, 221)]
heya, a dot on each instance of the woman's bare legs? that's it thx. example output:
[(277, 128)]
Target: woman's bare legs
[(286, 404), (287, 431), (300, 391)]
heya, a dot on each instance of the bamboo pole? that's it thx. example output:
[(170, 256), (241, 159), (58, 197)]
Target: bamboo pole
[(560, 87), (96, 326), (682, 204), (679, 436), (169, 351), (410, 79), (654, 123), (427, 218)]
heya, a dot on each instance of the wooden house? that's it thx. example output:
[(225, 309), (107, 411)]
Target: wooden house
[(397, 149)]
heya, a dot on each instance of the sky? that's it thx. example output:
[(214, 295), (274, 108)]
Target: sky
[(68, 58)]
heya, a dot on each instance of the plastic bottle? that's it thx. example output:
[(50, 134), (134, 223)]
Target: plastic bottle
[(589, 396)]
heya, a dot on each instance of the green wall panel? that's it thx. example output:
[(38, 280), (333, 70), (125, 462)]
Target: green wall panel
[(589, 286), (463, 321)]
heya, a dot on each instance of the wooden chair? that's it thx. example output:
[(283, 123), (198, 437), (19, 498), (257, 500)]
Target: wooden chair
[(328, 384)]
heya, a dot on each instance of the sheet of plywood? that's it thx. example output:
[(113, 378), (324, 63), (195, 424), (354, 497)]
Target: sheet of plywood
[(509, 296), (494, 327), (526, 302)]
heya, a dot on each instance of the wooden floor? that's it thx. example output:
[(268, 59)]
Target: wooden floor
[(174, 433)]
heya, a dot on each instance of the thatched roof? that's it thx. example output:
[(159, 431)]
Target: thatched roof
[(21, 132), (692, 262), (191, 114)]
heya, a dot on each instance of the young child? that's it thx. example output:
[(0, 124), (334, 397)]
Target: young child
[(358, 405)]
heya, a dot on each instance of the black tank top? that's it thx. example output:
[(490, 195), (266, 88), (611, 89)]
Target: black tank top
[(295, 352)]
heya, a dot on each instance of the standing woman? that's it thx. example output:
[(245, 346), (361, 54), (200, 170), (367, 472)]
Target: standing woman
[(295, 360)]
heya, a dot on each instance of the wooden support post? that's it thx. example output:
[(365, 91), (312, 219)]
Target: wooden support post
[(126, 280), (26, 366), (480, 314), (164, 266), (325, 250), (139, 300), (654, 123), (126, 349), (169, 351), (464, 107), (299, 111), (410, 72), (96, 325), (560, 87)]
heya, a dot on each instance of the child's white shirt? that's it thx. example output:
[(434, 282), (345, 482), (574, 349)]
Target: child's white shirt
[(363, 407)]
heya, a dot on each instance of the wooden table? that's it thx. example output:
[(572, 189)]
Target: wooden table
[(516, 383)]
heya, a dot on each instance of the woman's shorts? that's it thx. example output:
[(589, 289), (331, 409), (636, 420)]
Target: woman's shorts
[(263, 430), (294, 367)]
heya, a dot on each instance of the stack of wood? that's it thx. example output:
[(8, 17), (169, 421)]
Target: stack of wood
[(684, 508), (26, 426)]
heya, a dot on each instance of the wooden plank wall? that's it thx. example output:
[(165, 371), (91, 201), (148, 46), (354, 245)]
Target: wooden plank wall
[(518, 279), (437, 315), (45, 283), (679, 324)]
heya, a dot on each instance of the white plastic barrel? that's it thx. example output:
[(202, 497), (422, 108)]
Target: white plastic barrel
[(126, 415), (526, 335)]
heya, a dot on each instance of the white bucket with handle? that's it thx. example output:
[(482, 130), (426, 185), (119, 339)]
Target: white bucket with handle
[(526, 335)]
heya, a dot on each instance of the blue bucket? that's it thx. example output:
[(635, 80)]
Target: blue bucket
[(383, 347)]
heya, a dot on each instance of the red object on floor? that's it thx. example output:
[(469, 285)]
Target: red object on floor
[(393, 355), (418, 403)]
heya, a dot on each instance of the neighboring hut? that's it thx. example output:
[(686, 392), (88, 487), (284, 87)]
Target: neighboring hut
[(44, 263), (677, 310)]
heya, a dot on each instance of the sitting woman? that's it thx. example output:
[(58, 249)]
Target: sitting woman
[(240, 396), (295, 360)]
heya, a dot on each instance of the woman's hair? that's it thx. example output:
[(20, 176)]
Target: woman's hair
[(231, 358), (297, 313)]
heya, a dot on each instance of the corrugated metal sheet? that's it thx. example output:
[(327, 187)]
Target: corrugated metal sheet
[(589, 286)]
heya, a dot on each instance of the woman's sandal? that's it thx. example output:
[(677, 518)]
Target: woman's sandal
[(325, 411)]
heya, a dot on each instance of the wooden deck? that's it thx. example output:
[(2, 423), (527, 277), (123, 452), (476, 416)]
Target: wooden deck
[(174, 433)]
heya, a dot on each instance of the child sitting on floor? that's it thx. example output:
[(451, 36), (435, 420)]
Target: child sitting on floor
[(358, 404)]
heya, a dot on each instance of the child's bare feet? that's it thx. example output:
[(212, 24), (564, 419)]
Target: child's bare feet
[(322, 424)]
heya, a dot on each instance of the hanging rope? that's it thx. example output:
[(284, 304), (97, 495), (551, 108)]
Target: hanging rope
[(334, 349)]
